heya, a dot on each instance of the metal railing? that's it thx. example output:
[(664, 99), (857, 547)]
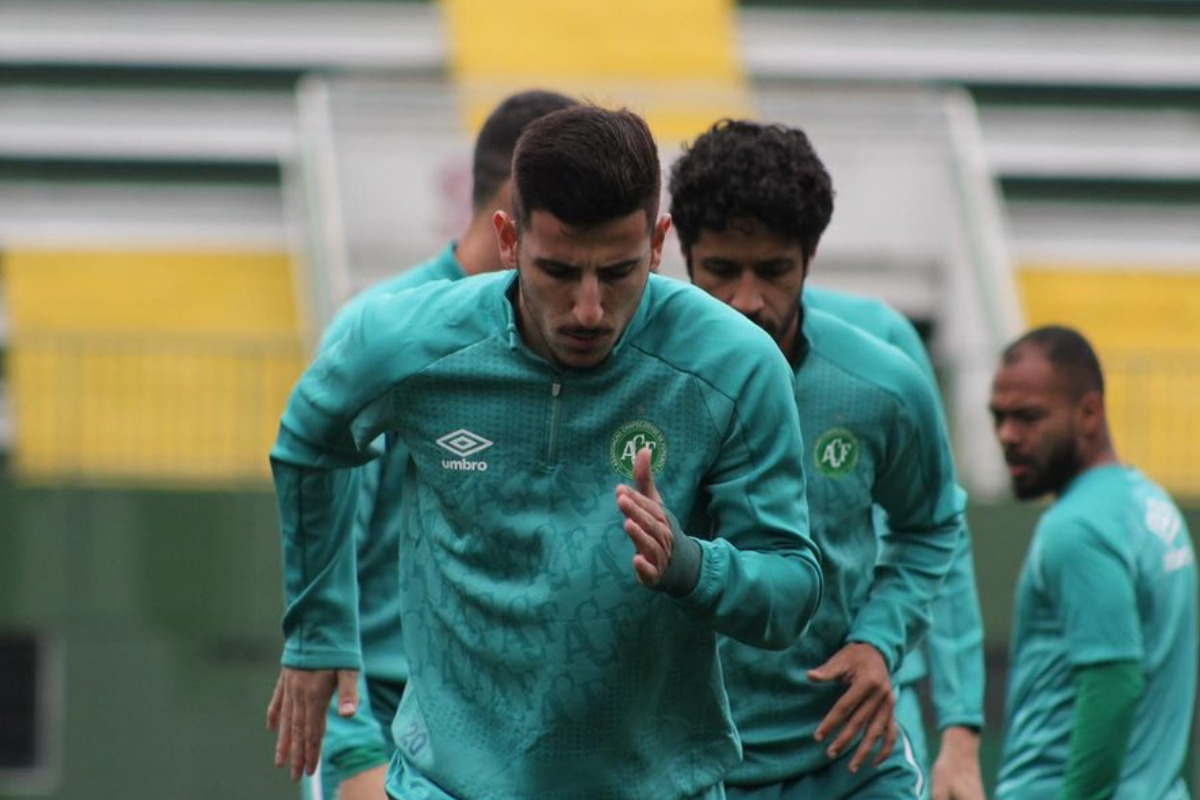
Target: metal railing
[(1153, 402), (157, 410)]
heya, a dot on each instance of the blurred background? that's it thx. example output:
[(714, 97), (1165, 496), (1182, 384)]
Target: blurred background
[(189, 188)]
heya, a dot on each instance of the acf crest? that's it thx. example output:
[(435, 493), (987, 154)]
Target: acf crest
[(836, 452), (630, 438)]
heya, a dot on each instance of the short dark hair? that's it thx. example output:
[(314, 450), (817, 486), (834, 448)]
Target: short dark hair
[(746, 170), (491, 165), (586, 165), (1069, 353)]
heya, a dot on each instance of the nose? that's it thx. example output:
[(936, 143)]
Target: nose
[(1006, 433), (589, 311), (747, 297)]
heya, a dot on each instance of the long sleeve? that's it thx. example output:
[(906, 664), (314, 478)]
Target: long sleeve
[(955, 644), (760, 577), (916, 487), (1106, 696)]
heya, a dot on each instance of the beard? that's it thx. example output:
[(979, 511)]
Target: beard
[(1051, 476), (778, 331)]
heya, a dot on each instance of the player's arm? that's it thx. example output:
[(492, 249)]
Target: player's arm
[(916, 486), (341, 403), (955, 647), (1106, 697), (758, 580), (1090, 580)]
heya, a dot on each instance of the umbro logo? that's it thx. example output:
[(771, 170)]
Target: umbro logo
[(463, 443)]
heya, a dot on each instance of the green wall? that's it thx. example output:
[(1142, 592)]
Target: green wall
[(167, 604)]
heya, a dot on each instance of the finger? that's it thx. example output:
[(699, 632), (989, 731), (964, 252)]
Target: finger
[(296, 749), (273, 707), (646, 548), (643, 478), (642, 527), (889, 739), (877, 729), (843, 708), (316, 706), (347, 689), (647, 573), (831, 670), (283, 742), (635, 505), (855, 725)]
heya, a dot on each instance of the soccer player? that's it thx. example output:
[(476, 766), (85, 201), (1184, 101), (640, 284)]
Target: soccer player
[(357, 749), (954, 643), (750, 203), (585, 506), (1102, 671)]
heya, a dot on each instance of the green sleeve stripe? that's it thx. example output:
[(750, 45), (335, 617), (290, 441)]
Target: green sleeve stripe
[(1106, 696)]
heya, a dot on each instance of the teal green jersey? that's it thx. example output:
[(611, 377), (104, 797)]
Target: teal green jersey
[(955, 639), (873, 436), (1109, 576), (377, 542), (538, 665)]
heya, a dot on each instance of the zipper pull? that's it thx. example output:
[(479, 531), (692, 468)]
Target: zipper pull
[(555, 388)]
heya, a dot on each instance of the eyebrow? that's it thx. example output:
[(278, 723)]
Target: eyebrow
[(616, 265)]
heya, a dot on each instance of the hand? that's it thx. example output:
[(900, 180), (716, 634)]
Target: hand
[(956, 773), (366, 785), (297, 710), (645, 522), (867, 705)]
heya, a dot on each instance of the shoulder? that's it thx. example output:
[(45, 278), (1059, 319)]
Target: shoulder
[(873, 316), (1093, 516), (866, 360), (869, 313), (692, 332), (443, 266), (426, 322)]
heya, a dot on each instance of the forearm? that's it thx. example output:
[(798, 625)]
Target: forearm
[(955, 645), (761, 598), (320, 623), (908, 576), (1106, 697)]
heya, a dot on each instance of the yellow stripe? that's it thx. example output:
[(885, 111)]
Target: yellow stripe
[(1131, 308), (233, 293), (150, 367), (675, 61), (1145, 327)]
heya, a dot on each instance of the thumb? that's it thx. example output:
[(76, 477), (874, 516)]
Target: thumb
[(347, 692), (643, 478), (828, 671)]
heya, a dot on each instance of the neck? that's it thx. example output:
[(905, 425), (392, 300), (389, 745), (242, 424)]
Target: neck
[(1102, 454), (476, 250)]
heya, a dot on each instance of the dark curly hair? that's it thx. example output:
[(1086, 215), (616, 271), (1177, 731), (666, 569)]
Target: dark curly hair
[(745, 170)]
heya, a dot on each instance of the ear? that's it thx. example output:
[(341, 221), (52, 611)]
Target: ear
[(506, 238), (657, 238), (1091, 412)]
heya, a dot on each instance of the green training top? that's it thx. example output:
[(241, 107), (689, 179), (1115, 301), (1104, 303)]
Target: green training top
[(538, 666), (377, 542), (1110, 576), (955, 640), (872, 435)]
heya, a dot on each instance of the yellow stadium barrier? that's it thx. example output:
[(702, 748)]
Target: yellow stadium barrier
[(1145, 327), (673, 61), (149, 410), (148, 366)]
